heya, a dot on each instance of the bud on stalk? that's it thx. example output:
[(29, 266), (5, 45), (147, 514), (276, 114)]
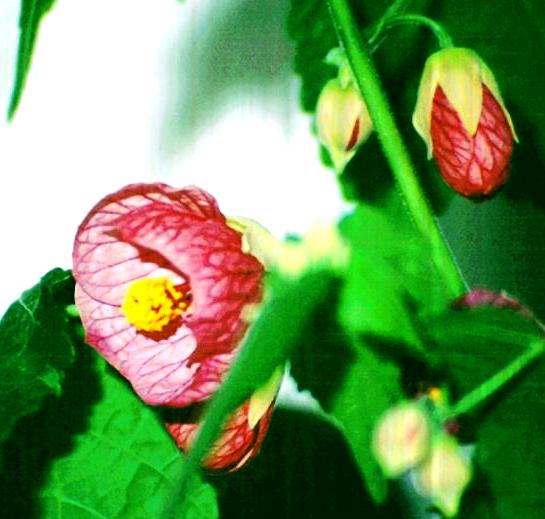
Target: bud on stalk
[(402, 438), (461, 116), (342, 119)]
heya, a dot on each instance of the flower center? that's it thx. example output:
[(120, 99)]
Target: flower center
[(151, 304)]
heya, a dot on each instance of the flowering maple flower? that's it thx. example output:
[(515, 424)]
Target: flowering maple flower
[(342, 119), (444, 475), (161, 285), (461, 116), (242, 434), (402, 438)]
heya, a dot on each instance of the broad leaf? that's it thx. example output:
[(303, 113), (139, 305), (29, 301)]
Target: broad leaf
[(391, 280), (97, 452), (473, 345), (351, 382), (35, 347), (32, 12), (371, 386)]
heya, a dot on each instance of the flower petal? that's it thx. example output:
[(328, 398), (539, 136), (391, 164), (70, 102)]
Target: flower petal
[(160, 371), (237, 445)]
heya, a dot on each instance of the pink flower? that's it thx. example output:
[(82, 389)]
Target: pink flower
[(239, 443), (161, 285)]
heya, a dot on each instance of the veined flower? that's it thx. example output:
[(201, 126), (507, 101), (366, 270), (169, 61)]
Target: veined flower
[(242, 434), (461, 116), (161, 285)]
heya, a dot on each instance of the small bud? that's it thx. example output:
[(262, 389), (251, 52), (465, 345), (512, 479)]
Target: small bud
[(481, 297), (342, 119), (461, 116), (402, 439), (444, 475)]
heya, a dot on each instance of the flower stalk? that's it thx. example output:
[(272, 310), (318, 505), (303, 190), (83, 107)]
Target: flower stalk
[(443, 37), (396, 153), (497, 381)]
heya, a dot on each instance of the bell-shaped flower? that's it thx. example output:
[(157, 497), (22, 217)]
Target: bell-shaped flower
[(243, 433), (462, 118), (162, 283), (402, 438), (342, 118), (444, 475)]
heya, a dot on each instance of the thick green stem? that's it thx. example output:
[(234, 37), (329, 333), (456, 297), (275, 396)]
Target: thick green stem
[(498, 381), (443, 37), (392, 144)]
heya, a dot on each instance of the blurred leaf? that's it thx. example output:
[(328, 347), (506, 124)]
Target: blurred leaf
[(268, 345), (352, 383), (30, 17), (96, 452), (35, 347), (390, 281), (473, 345)]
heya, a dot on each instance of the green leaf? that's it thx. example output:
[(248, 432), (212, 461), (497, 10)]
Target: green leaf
[(97, 452), (371, 386), (32, 12), (352, 383), (35, 347), (268, 345), (473, 345), (391, 280)]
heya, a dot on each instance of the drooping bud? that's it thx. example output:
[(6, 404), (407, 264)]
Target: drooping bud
[(342, 119), (444, 475), (461, 116), (402, 438)]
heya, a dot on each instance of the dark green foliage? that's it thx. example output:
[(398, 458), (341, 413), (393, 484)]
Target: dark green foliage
[(96, 452), (35, 347), (32, 12), (473, 345)]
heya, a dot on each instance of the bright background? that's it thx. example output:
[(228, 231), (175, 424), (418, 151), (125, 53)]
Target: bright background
[(198, 92)]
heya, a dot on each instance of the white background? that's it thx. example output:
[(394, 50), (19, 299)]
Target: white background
[(117, 94)]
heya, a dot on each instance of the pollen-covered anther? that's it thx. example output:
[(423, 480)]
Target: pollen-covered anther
[(150, 304)]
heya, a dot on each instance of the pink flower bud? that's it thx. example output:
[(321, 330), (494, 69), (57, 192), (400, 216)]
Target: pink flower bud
[(461, 116), (402, 438), (342, 120)]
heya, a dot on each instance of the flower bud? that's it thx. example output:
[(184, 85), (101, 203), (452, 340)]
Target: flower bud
[(402, 438), (444, 475), (461, 116), (342, 119)]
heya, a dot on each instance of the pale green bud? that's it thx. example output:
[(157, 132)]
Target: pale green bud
[(342, 119), (444, 475), (402, 438)]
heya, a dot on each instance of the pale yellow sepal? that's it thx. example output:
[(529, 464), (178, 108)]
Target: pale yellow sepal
[(444, 475), (321, 245), (460, 73), (340, 108), (263, 397)]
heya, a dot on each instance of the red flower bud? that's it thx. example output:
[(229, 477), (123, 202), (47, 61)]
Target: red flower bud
[(461, 116), (472, 165)]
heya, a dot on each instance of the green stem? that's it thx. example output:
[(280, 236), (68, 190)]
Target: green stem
[(438, 30), (392, 144), (499, 380)]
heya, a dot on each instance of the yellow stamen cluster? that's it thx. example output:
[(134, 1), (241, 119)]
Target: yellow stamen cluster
[(150, 304)]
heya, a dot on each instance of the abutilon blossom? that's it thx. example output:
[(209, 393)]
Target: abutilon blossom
[(461, 116), (161, 285), (342, 119)]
